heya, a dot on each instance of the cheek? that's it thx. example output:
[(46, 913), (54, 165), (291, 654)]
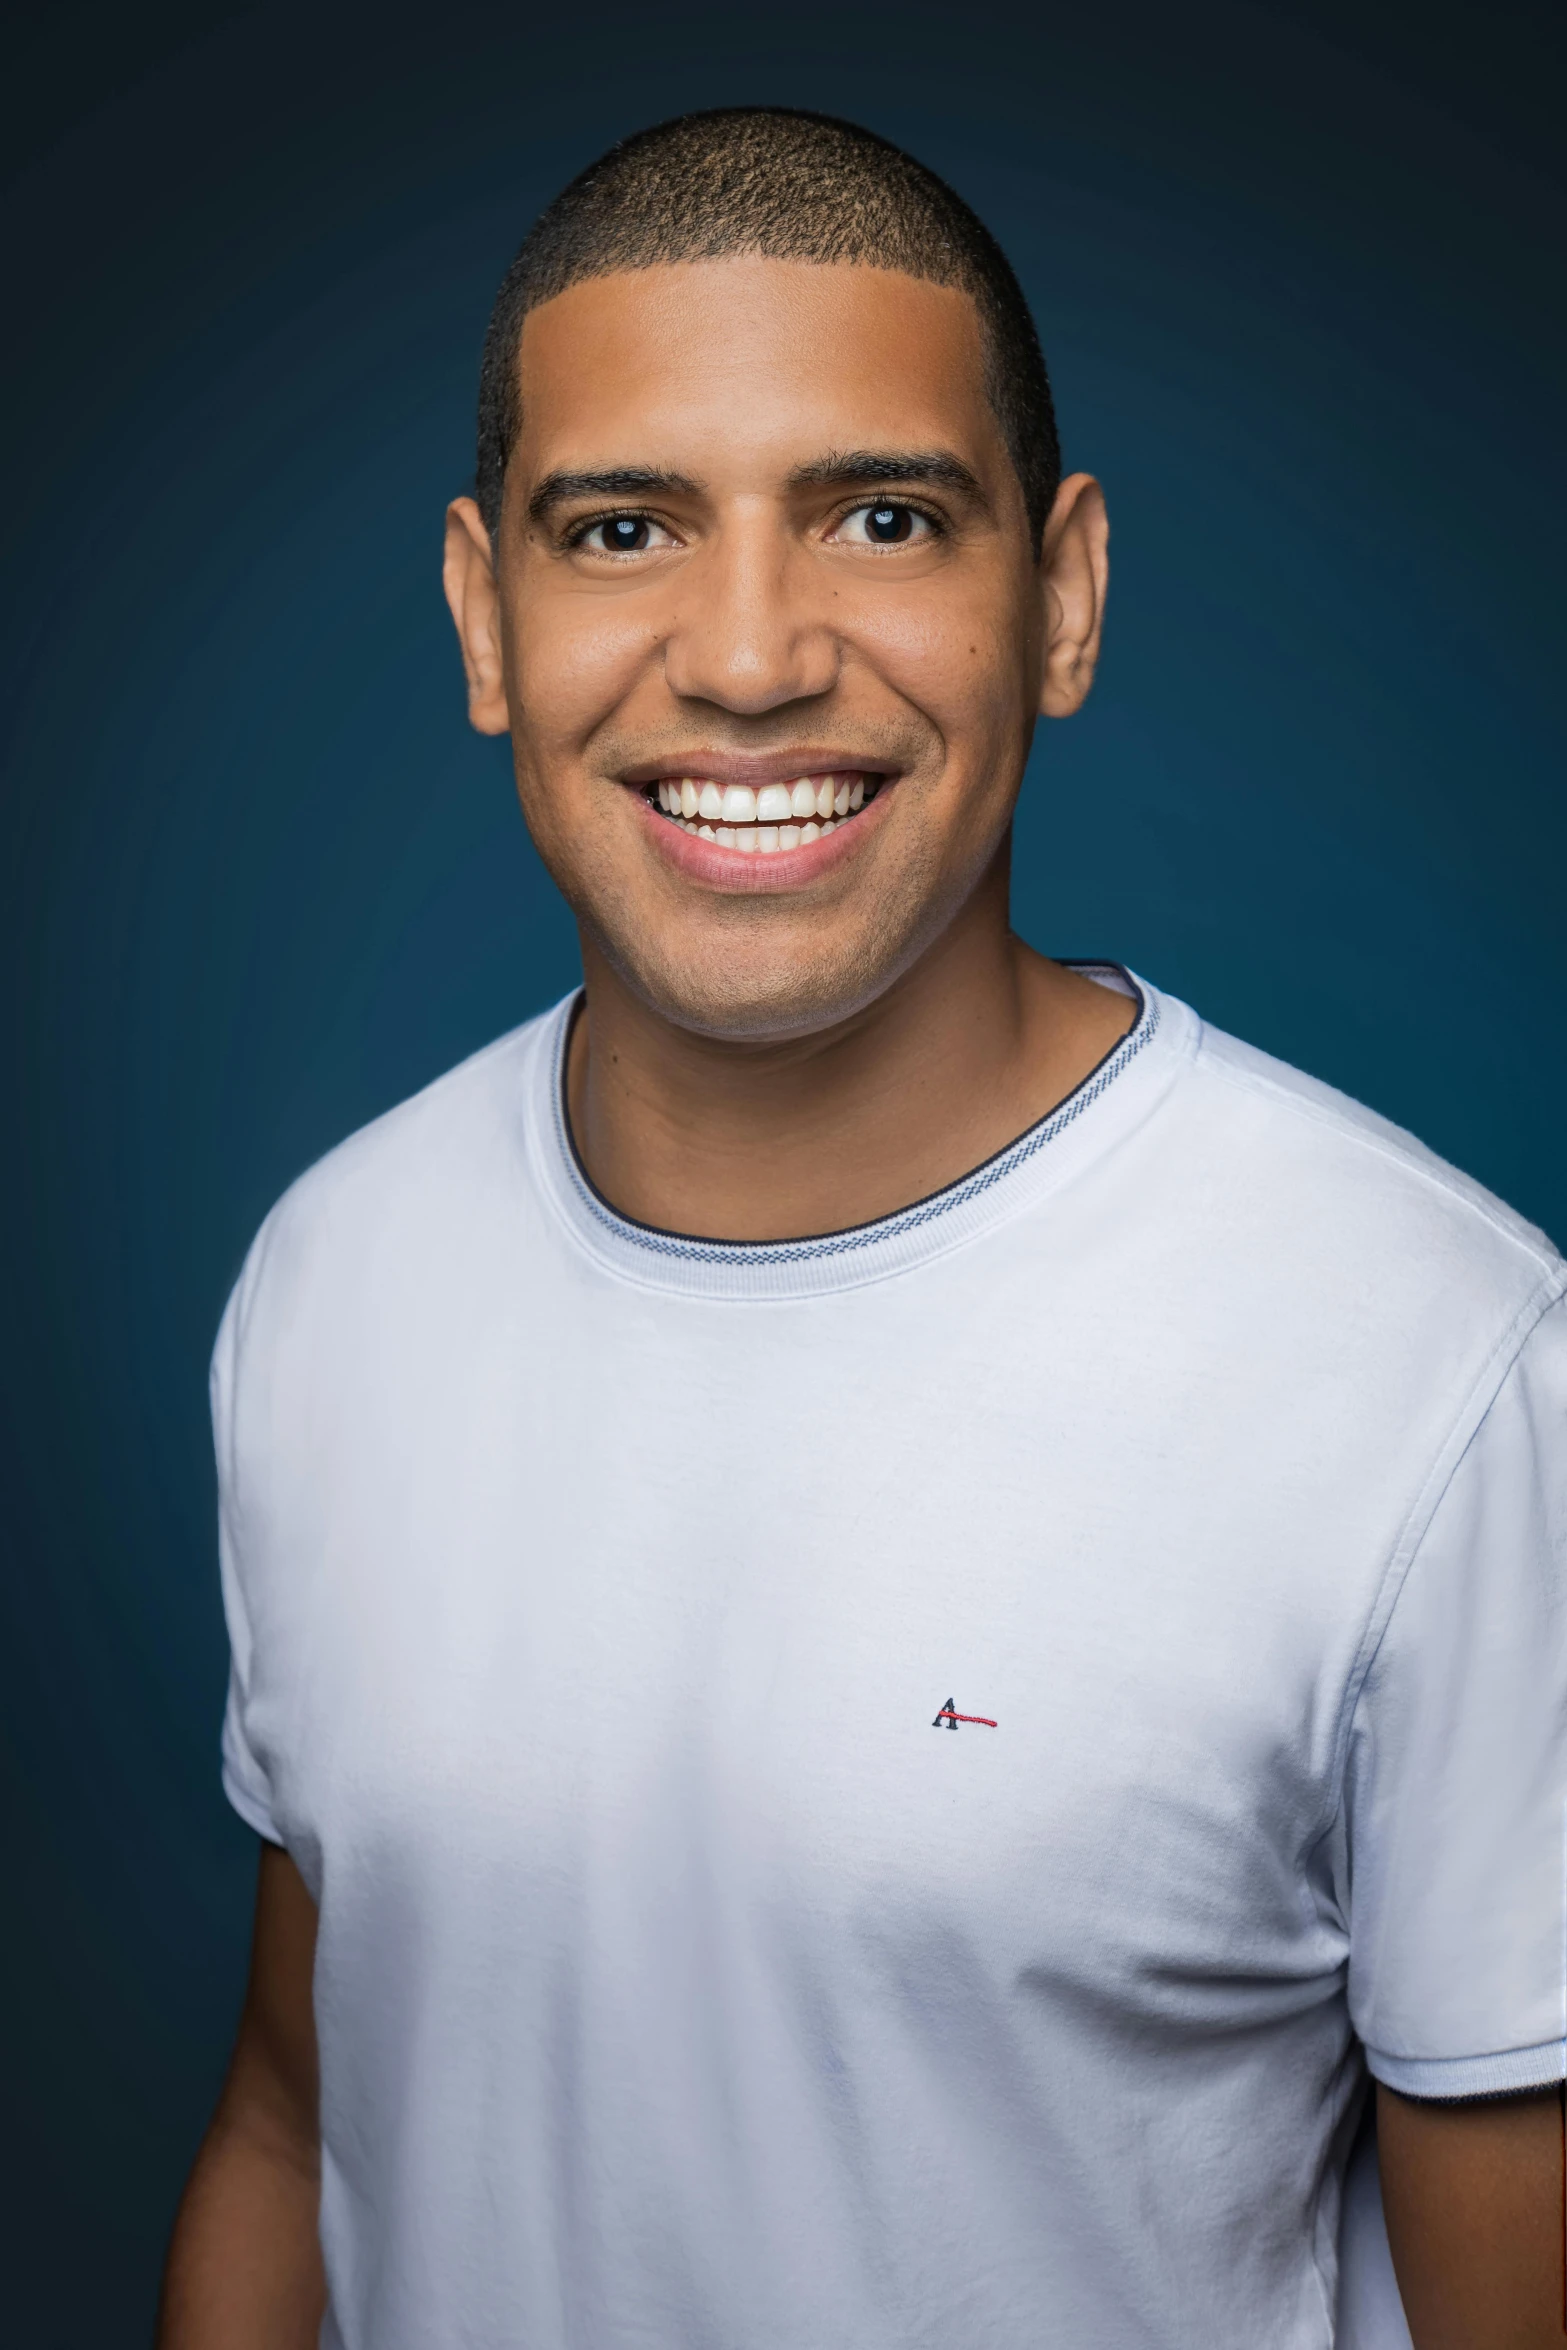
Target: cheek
[(573, 662), (956, 658)]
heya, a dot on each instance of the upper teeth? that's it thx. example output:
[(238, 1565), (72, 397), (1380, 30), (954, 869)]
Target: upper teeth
[(814, 802)]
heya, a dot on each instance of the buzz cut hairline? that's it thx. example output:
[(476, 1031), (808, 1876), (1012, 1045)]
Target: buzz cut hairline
[(793, 186)]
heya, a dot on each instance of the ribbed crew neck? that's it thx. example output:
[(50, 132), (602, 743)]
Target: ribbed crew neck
[(1114, 1096)]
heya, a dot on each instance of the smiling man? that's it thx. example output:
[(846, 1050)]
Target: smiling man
[(893, 1610)]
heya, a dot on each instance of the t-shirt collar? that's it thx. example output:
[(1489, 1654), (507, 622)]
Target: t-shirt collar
[(1113, 1097)]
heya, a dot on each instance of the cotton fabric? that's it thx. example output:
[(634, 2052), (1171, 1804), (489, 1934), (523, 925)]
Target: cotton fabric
[(599, 1598)]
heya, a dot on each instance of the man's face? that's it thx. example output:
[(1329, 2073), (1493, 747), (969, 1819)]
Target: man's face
[(762, 536)]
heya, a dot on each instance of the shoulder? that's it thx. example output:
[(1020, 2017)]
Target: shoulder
[(1351, 1200), (1335, 1139), (395, 1206)]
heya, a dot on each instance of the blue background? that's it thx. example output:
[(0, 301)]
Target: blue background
[(1297, 271)]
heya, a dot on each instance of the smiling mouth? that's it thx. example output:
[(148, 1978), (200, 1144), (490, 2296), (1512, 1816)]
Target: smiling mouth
[(761, 822)]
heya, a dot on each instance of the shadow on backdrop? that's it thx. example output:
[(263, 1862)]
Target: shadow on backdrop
[(1293, 268)]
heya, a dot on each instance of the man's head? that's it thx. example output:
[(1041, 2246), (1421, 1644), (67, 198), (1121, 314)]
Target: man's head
[(768, 495)]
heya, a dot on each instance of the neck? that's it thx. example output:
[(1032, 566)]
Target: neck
[(781, 1139)]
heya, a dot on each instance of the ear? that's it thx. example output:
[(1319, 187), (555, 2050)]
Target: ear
[(468, 575), (1076, 567)]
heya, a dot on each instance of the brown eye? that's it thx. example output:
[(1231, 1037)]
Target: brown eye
[(887, 524), (621, 534), (625, 534)]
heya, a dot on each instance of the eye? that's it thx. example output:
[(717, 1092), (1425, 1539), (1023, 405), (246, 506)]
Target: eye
[(887, 524), (622, 534)]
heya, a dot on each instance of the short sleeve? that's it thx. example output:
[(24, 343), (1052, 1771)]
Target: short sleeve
[(1456, 1786), (245, 1780)]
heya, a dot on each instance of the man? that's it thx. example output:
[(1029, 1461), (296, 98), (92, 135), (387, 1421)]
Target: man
[(891, 1609)]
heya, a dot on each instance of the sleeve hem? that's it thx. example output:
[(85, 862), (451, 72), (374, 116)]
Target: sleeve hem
[(250, 1808), (1507, 2071)]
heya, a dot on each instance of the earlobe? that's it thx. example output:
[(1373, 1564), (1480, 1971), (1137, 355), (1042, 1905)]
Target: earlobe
[(1076, 565), (468, 575)]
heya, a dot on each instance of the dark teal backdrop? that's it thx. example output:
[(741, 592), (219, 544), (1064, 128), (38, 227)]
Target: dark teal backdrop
[(1297, 270)]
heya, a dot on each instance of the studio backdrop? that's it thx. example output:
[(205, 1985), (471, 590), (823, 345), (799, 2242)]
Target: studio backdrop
[(1297, 271)]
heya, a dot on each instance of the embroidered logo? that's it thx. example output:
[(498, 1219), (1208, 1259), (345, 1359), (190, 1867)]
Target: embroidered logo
[(949, 1718)]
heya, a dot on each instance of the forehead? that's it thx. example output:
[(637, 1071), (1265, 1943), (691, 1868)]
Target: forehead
[(749, 354)]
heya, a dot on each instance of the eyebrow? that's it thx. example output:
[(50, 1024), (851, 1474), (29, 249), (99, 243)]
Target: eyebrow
[(609, 481), (839, 468), (845, 468)]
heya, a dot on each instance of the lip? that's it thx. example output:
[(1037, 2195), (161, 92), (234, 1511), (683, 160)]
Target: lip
[(743, 875)]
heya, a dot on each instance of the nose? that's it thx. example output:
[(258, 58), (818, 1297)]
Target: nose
[(749, 633)]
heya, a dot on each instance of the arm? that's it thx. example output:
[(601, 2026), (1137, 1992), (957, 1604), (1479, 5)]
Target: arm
[(244, 2268), (1473, 2196)]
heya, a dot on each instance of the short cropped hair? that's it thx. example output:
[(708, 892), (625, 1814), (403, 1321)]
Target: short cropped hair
[(794, 186)]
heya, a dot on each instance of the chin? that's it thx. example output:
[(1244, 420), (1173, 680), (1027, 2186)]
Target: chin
[(746, 999)]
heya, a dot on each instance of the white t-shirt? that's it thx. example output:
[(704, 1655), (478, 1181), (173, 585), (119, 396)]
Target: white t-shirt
[(601, 1600)]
